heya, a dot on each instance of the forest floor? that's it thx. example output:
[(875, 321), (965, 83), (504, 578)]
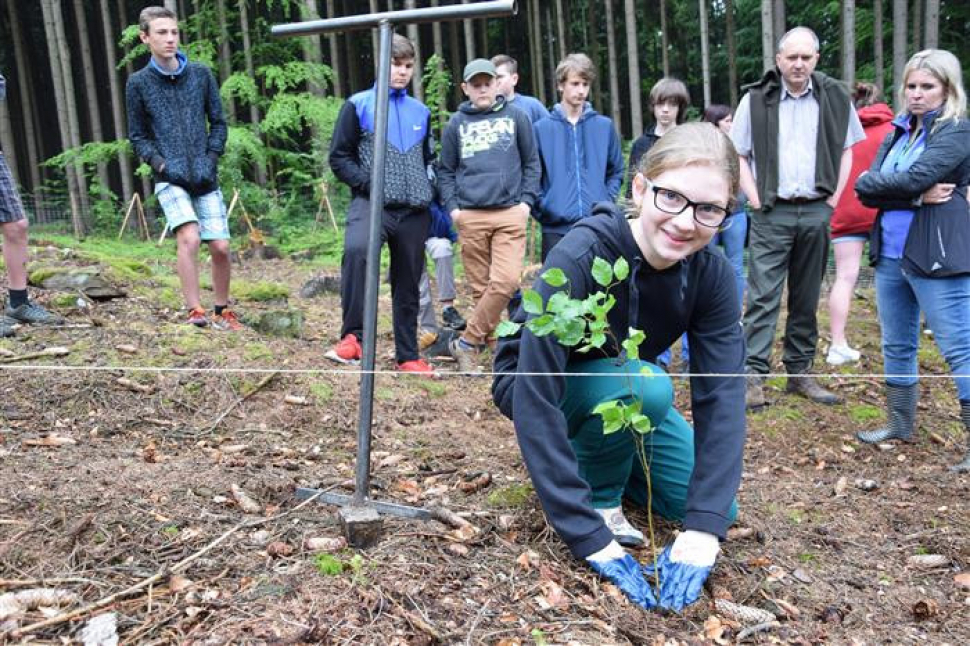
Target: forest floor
[(122, 463)]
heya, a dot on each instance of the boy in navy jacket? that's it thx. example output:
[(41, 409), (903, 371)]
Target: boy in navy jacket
[(582, 161)]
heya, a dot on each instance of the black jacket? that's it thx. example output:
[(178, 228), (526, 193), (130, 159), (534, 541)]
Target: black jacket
[(167, 125), (488, 159), (697, 295), (641, 146), (938, 243)]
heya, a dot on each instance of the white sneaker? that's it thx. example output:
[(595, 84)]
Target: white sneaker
[(625, 533), (839, 354)]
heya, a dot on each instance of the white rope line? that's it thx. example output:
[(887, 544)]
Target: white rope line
[(453, 373)]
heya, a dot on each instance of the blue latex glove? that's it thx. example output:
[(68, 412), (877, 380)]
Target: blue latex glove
[(625, 573), (683, 568)]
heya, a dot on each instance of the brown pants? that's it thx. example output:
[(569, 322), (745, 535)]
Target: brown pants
[(492, 250)]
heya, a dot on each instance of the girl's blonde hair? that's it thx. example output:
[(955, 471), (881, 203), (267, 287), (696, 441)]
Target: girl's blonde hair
[(945, 68), (694, 144)]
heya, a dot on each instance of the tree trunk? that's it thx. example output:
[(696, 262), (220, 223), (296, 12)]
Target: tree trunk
[(117, 109), (536, 43), (593, 44), (899, 43), (94, 112), (560, 30), (917, 25), (848, 42), (172, 5), (250, 71), (469, 28), (73, 123), (311, 44), (483, 37), (664, 40), (26, 97), (613, 68), (374, 38), (705, 54), (877, 45), (60, 99), (414, 35), (633, 64), (779, 26), (338, 87), (732, 51), (932, 30), (551, 73), (225, 57), (455, 55), (767, 36)]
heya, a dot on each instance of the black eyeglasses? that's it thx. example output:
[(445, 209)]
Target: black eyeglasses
[(670, 201)]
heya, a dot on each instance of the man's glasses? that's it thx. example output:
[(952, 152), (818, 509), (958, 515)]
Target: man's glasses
[(670, 201)]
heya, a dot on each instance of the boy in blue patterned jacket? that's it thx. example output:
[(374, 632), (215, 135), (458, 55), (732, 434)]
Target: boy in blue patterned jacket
[(405, 217)]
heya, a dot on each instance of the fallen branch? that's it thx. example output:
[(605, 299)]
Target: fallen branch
[(415, 620), (263, 382), (28, 583), (46, 352), (158, 576)]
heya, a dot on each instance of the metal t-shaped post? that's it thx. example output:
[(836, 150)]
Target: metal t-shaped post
[(360, 516)]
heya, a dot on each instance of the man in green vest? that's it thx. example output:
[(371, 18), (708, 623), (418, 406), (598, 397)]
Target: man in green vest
[(794, 167)]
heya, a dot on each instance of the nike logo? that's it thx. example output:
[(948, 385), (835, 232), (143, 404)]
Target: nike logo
[(418, 127)]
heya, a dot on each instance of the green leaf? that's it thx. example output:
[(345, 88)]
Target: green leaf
[(597, 339), (602, 272), (631, 345), (621, 268), (570, 331), (641, 423), (612, 414), (532, 301), (558, 302), (542, 325), (555, 277), (507, 328)]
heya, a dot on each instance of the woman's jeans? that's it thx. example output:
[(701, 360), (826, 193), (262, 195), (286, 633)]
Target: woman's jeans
[(732, 239), (900, 296), (609, 463)]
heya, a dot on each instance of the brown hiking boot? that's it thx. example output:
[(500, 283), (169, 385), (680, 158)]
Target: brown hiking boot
[(754, 392), (807, 386)]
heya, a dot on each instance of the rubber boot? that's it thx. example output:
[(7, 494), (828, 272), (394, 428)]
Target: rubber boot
[(901, 408), (964, 466)]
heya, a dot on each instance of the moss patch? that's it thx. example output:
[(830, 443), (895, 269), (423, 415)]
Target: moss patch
[(511, 496), (259, 291)]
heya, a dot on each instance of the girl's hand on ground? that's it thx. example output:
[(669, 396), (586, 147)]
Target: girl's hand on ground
[(622, 570)]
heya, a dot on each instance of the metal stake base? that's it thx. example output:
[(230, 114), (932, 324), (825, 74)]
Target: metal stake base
[(360, 519)]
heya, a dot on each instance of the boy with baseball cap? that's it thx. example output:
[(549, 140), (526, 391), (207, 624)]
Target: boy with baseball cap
[(488, 178)]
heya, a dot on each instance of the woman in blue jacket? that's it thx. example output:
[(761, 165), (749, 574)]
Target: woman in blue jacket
[(920, 243), (682, 194)]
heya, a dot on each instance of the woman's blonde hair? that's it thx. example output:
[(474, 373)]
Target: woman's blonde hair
[(945, 68), (694, 144)]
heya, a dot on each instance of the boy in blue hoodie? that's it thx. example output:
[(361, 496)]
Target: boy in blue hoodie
[(582, 161), (176, 126)]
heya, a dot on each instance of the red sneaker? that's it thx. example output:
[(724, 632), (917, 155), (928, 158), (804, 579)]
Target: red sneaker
[(227, 321), (417, 366), (347, 351), (197, 318)]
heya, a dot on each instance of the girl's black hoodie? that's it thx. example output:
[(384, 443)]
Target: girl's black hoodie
[(697, 295)]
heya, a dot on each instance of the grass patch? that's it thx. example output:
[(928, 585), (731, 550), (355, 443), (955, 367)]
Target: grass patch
[(776, 382), (433, 388), (385, 394), (862, 413), (322, 392), (511, 496), (256, 351)]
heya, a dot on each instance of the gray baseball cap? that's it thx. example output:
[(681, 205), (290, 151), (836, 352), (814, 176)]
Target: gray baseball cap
[(478, 66)]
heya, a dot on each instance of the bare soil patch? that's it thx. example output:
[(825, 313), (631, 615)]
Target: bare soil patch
[(147, 482)]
